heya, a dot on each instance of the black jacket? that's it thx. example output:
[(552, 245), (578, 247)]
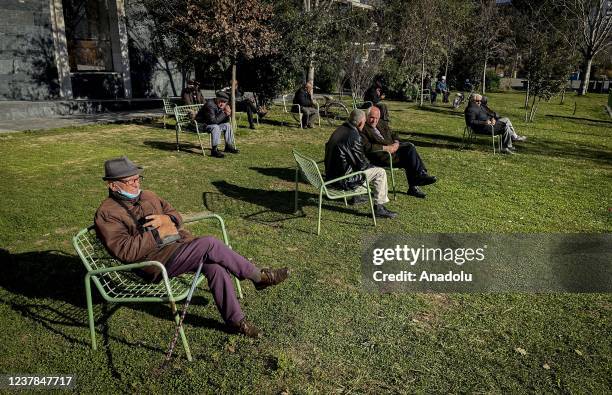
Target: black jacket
[(371, 142), (343, 155), (192, 95), (372, 95), (476, 117), (210, 114), (302, 98)]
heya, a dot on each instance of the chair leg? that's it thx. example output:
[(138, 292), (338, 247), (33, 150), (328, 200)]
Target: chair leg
[(177, 319), (297, 179), (238, 288), (164, 121), (345, 203), (200, 140), (393, 182), (92, 330), (320, 202), (371, 205), (178, 129)]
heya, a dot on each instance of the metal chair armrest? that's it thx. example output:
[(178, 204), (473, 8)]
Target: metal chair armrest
[(344, 177), (202, 216), (390, 157), (126, 267)]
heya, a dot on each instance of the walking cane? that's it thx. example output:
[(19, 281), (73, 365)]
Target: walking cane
[(180, 323)]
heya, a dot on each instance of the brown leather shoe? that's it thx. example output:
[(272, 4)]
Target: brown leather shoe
[(271, 277), (247, 328)]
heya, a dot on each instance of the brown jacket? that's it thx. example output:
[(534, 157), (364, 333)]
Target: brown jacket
[(371, 142), (127, 241)]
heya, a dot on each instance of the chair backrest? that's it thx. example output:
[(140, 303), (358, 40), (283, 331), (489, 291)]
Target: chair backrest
[(94, 256), (168, 106), (309, 168), (183, 113)]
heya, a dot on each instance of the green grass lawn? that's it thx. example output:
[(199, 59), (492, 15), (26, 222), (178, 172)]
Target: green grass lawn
[(324, 332)]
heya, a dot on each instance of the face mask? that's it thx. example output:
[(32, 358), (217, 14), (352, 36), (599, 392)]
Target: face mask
[(129, 195)]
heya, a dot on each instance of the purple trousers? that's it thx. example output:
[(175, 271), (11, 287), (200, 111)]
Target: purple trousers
[(219, 261)]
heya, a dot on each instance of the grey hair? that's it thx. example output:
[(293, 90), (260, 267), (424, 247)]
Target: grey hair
[(356, 116)]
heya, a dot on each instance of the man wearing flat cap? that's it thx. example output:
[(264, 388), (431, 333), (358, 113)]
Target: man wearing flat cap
[(136, 226), (215, 115), (191, 93)]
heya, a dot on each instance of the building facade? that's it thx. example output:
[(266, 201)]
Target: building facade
[(76, 49)]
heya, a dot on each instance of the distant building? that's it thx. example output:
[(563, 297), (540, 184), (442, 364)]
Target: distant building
[(66, 49)]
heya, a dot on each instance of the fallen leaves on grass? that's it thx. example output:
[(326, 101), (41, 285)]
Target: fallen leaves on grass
[(521, 351)]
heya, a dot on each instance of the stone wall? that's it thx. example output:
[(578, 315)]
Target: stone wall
[(27, 63)]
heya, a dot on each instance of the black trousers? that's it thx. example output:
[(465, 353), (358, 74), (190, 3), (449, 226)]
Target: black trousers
[(384, 112), (247, 106), (408, 159)]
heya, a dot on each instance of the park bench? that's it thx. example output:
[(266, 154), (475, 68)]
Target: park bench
[(117, 283), (308, 167)]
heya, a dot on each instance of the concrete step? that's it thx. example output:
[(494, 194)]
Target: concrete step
[(20, 110)]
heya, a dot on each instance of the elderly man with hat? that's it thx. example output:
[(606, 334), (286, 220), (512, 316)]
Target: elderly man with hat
[(191, 94), (136, 225), (215, 115)]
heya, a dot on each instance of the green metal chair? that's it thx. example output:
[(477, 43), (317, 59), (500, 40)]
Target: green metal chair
[(311, 172), (118, 284), (168, 110), (184, 120), (360, 104), (469, 136)]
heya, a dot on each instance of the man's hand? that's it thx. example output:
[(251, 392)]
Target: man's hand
[(492, 121), (391, 148), (163, 224), (227, 110)]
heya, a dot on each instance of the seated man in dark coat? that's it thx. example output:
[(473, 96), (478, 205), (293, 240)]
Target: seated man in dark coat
[(375, 94), (485, 106), (215, 115), (246, 104), (481, 122), (304, 98), (377, 137), (191, 93), (344, 155)]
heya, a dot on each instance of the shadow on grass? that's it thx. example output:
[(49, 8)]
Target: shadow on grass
[(283, 173), (48, 288), (596, 122), (441, 110), (569, 150), (270, 207), (171, 146), (436, 140)]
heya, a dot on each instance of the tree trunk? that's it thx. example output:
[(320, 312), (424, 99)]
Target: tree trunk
[(422, 79), (234, 96), (167, 70), (484, 77), (587, 76), (446, 68), (563, 95), (311, 71), (533, 109)]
